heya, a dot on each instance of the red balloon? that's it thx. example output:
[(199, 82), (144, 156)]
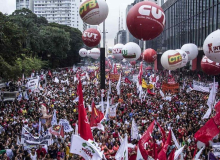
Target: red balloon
[(210, 67), (150, 55), (132, 63), (91, 37), (146, 20)]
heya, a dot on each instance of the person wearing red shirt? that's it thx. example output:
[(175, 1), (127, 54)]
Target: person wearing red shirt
[(132, 153), (41, 152)]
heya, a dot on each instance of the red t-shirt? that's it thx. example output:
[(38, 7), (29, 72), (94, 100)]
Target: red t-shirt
[(39, 151), (133, 156)]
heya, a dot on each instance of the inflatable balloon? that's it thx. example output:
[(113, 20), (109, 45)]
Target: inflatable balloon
[(93, 12), (211, 46), (83, 52), (132, 63), (146, 20), (210, 67), (171, 60), (91, 37), (117, 51), (191, 49), (131, 51), (184, 57), (95, 53), (124, 60), (150, 55), (88, 53)]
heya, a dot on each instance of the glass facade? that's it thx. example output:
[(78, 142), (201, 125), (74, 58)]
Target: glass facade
[(187, 21)]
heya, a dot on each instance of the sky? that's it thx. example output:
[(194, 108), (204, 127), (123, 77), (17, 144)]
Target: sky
[(8, 6)]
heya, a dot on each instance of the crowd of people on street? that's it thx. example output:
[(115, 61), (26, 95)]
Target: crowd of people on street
[(182, 113)]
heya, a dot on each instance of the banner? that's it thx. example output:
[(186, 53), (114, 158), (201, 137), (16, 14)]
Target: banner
[(28, 139), (216, 150), (203, 87), (114, 77), (33, 84), (171, 81), (112, 112), (170, 88), (67, 127)]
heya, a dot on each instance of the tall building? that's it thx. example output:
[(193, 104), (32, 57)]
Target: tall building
[(64, 12), (25, 4), (187, 21), (121, 37)]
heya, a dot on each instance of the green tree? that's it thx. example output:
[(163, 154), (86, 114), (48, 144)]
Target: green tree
[(54, 42)]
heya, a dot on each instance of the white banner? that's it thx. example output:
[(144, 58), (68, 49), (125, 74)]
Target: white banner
[(203, 87), (112, 112), (216, 150), (84, 148), (134, 130), (33, 84), (66, 126)]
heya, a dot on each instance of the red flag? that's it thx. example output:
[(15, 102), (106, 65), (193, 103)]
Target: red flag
[(127, 81), (145, 138), (172, 154), (140, 73), (62, 132), (49, 73), (96, 116), (149, 92), (217, 107), (207, 132), (163, 153), (162, 132), (155, 150), (84, 128), (217, 119), (115, 69)]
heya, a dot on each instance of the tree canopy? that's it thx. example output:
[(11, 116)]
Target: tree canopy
[(27, 40)]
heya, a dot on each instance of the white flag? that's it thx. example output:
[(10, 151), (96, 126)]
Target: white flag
[(39, 127), (56, 80), (18, 141), (174, 140), (76, 129), (19, 97), (207, 114), (74, 68), (75, 79), (122, 152), (212, 95), (66, 126), (189, 90), (161, 93), (139, 155), (198, 154), (87, 76), (134, 130), (178, 152), (84, 148), (118, 85), (54, 119), (110, 89), (107, 108)]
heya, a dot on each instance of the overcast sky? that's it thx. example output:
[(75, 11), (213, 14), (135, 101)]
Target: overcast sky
[(8, 6)]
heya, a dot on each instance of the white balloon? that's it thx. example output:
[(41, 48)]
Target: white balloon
[(88, 53), (93, 12), (117, 51), (171, 60), (191, 49), (211, 46), (131, 51), (124, 60), (83, 52), (95, 53), (184, 57)]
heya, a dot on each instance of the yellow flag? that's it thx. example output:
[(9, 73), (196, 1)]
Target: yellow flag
[(144, 84)]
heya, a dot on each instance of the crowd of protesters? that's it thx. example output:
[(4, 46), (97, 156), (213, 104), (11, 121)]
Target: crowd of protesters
[(183, 114)]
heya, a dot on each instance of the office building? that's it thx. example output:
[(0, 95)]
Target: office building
[(64, 12), (187, 21)]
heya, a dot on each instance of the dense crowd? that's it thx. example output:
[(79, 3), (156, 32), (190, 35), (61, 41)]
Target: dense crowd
[(183, 114)]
